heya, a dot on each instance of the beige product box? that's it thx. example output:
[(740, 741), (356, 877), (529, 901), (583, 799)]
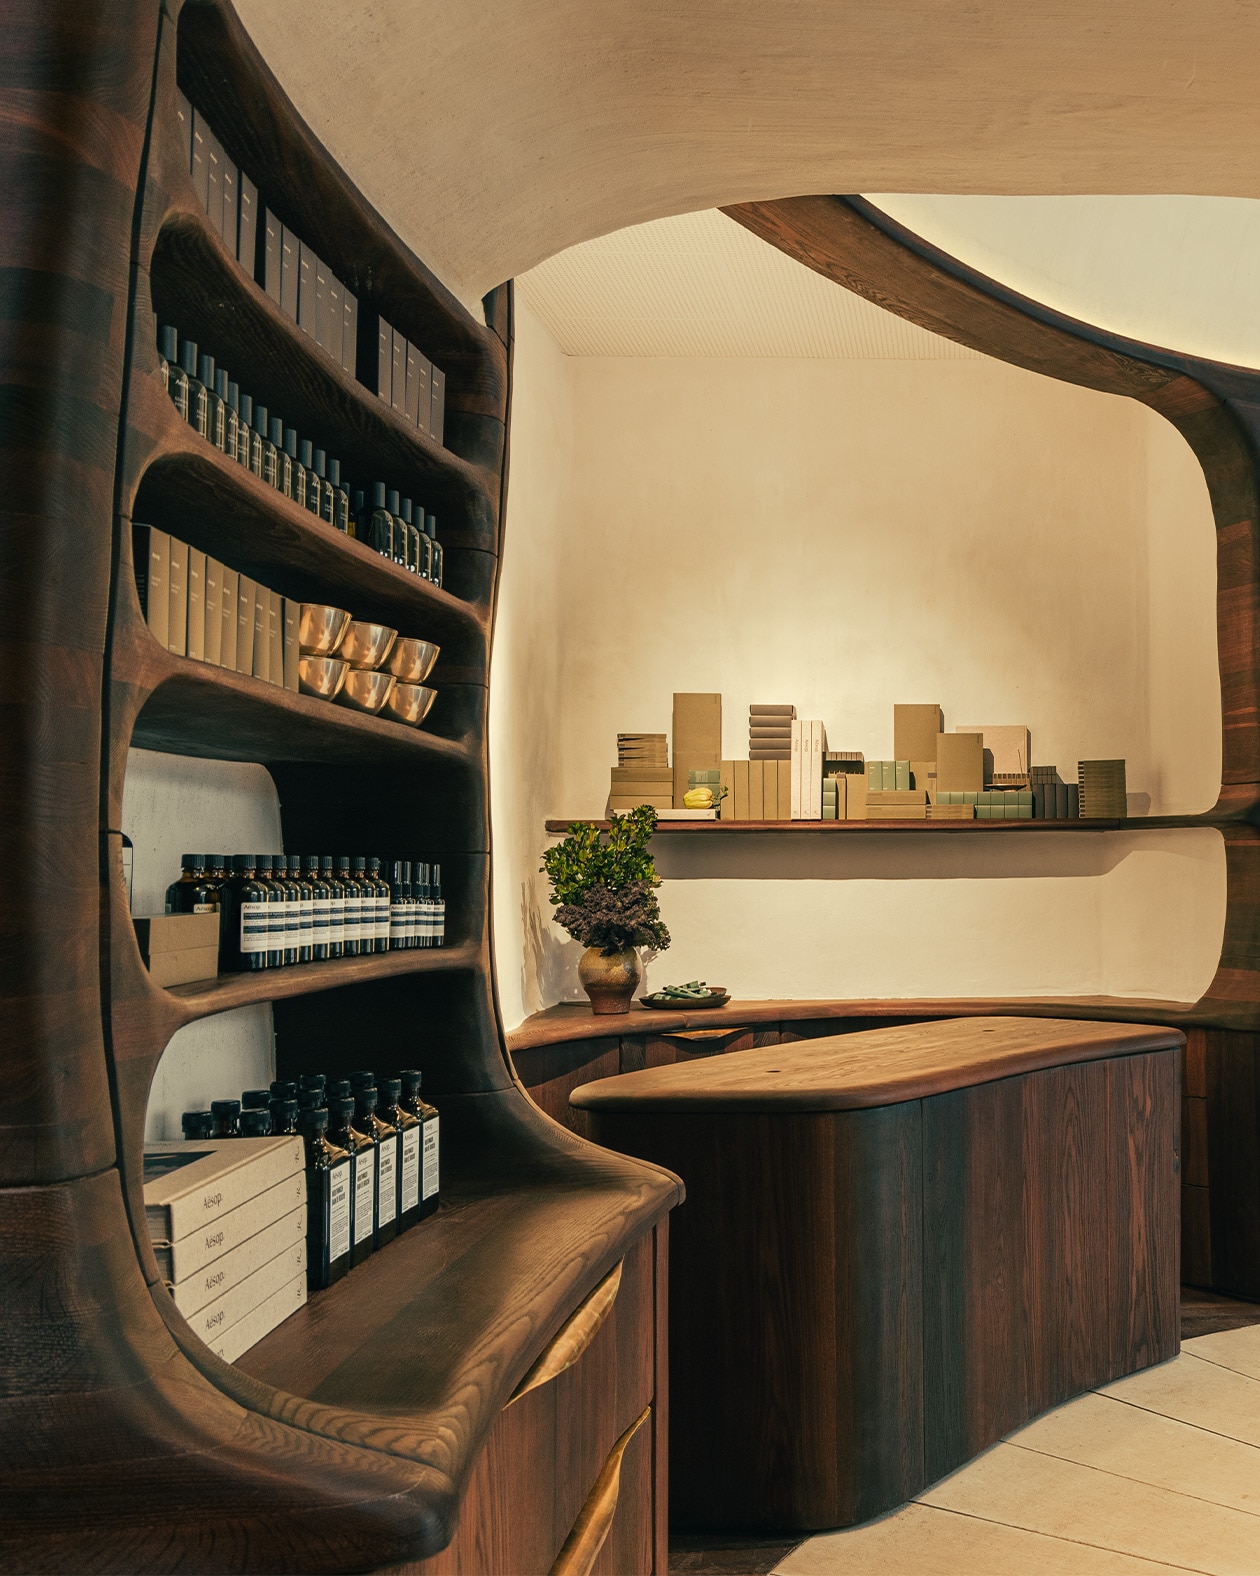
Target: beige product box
[(190, 1184), (177, 599), (229, 594), (623, 802), (895, 812), (797, 793), (727, 782), (887, 796), (272, 1311), (697, 737), (179, 949), (186, 967), (960, 763), (1007, 748), (769, 790), (262, 633), (915, 732), (221, 1275), (741, 789), (196, 633), (152, 549), (245, 590), (951, 812), (218, 1317), (756, 791), (783, 770), (923, 775), (855, 791), (292, 614), (214, 611), (177, 1261), (275, 636)]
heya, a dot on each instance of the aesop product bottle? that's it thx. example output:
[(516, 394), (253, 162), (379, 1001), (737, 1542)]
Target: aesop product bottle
[(232, 434), (408, 1129), (341, 499), (311, 480), (277, 909), (174, 379), (410, 537), (397, 529), (336, 909), (306, 909), (254, 1124), (319, 910), (283, 481), (424, 563), (292, 908), (266, 448), (435, 550), (381, 886), (326, 499), (353, 903), (329, 1199), (362, 1152), (198, 1124), (192, 893), (216, 412), (367, 905), (425, 929), (243, 918), (397, 908), (284, 1115), (380, 525), (439, 907), (248, 443), (198, 408), (430, 1147), (227, 1118), (368, 1120)]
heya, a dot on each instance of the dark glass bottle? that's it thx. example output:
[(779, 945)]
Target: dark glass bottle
[(311, 496), (397, 530), (197, 1124), (413, 904), (232, 399), (243, 918), (227, 1118), (424, 562), (362, 1152), (435, 550), (341, 499), (352, 910), (329, 1202), (319, 909), (255, 1124), (283, 1089), (336, 909), (297, 471), (175, 380), (198, 408), (284, 1116), (424, 905), (409, 1131), (326, 500), (410, 557), (306, 909), (266, 448), (277, 909), (292, 908), (397, 908), (380, 942), (359, 514), (430, 1146), (283, 481), (380, 526), (216, 414), (368, 1120), (255, 1099), (249, 444), (310, 1100), (439, 907), (192, 893), (367, 905), (313, 1083)]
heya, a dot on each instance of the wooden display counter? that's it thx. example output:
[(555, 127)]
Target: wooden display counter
[(898, 1245)]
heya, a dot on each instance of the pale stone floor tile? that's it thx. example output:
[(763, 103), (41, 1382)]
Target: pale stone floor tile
[(1196, 1391), (920, 1541), (1096, 1431), (1236, 1349), (1060, 1499)]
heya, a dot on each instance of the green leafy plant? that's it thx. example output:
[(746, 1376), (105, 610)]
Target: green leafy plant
[(603, 888)]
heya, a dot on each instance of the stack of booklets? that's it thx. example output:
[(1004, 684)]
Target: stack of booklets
[(809, 750), (228, 1222), (635, 785), (896, 804), (1102, 789), (844, 762), (642, 749), (770, 733), (1053, 800), (938, 811)]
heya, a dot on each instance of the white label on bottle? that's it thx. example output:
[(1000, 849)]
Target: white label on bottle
[(397, 925), (336, 919), (388, 1193), (429, 1185), (201, 908), (364, 1195), (307, 921), (319, 921), (352, 920), (338, 1212), (413, 924), (254, 927), (292, 924), (382, 918), (440, 922), (410, 1167), (277, 923)]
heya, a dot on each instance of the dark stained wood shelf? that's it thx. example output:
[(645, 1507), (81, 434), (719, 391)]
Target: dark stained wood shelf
[(830, 828), (203, 998)]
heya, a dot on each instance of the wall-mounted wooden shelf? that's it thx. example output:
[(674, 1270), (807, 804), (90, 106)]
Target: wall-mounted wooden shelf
[(843, 828)]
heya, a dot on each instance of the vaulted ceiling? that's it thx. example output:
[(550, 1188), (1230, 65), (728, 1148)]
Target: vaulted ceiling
[(495, 134)]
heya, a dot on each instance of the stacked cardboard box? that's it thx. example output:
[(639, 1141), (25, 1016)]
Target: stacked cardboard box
[(228, 1222), (892, 804), (809, 750), (959, 763), (939, 811), (1102, 789), (770, 732), (632, 786), (1053, 799), (1007, 752), (756, 790), (642, 749), (697, 737), (179, 949)]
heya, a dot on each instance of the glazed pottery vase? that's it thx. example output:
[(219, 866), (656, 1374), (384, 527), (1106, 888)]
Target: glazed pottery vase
[(610, 981)]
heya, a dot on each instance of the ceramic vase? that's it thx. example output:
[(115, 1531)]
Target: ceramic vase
[(610, 980)]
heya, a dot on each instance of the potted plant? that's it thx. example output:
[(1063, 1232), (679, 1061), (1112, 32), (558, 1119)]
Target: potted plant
[(604, 893)]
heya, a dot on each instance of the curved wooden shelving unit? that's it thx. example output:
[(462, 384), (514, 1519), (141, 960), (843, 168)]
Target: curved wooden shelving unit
[(369, 1430)]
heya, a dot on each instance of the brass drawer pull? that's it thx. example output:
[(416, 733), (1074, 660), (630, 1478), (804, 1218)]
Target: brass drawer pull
[(568, 1344), (582, 1546)]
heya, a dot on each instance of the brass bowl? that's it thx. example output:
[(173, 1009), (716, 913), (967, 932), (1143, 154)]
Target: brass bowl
[(322, 676), (321, 629), (411, 661), (365, 690), (410, 703), (367, 645)]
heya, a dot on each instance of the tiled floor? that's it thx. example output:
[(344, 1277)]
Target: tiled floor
[(1157, 1473)]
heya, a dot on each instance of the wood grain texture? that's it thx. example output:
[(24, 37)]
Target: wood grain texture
[(859, 828), (579, 1330), (876, 1067), (589, 1533)]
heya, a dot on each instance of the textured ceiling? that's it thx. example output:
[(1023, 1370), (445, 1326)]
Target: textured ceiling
[(493, 135), (702, 285)]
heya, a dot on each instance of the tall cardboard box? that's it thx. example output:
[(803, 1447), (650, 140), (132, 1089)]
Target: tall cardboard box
[(697, 737), (756, 791), (960, 763), (855, 790), (915, 731), (1008, 747), (785, 790)]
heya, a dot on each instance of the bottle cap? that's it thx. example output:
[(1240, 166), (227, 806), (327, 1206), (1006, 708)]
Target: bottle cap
[(341, 1107), (197, 1124), (374, 866), (255, 1099), (410, 1078), (221, 1108), (209, 861), (313, 1123), (435, 881), (188, 357), (188, 861), (260, 420), (362, 1079), (262, 863), (221, 383), (282, 1089), (306, 453), (343, 864), (312, 864), (205, 370), (242, 863), (246, 409), (360, 864), (312, 1080), (321, 464), (325, 864), (358, 504), (233, 397), (283, 1113), (310, 1100), (391, 1088), (398, 871), (334, 472), (378, 495), (276, 432), (290, 442), (168, 345), (405, 510), (255, 1124), (391, 500), (295, 864), (366, 1101)]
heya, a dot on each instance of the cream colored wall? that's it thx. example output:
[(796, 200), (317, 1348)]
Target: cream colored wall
[(844, 535)]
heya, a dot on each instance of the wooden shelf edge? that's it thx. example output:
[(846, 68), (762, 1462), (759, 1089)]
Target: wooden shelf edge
[(831, 828), (205, 998)]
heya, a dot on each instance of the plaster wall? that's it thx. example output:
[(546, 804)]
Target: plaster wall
[(844, 535)]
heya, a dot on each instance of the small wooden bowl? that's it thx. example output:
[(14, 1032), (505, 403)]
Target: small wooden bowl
[(367, 645), (321, 676), (411, 661), (365, 690), (410, 703), (321, 628)]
